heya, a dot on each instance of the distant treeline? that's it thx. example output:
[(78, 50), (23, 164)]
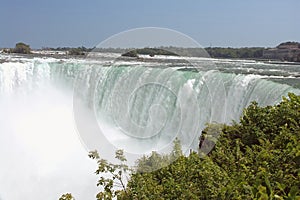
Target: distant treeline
[(149, 51), (82, 48), (214, 52), (288, 51), (217, 52)]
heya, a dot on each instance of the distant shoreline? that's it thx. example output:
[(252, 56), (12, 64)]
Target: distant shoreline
[(64, 55), (285, 53)]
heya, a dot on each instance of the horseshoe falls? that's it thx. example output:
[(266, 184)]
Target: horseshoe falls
[(53, 111)]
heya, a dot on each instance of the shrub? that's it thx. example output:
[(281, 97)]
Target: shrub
[(22, 48)]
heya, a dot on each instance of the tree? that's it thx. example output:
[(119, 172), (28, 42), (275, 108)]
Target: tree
[(22, 48), (112, 175)]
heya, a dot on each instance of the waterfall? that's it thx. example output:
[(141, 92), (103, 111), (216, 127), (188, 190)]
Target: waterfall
[(137, 108), (149, 105)]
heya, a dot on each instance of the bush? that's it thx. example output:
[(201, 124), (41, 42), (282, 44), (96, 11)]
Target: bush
[(132, 53), (76, 52), (22, 48)]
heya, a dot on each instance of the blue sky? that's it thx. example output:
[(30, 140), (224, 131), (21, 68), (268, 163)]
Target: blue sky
[(233, 23)]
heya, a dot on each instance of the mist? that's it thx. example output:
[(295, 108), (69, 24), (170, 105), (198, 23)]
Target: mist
[(41, 154)]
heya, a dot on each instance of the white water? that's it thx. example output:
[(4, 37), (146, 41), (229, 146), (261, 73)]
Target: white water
[(138, 109), (40, 151), (41, 155)]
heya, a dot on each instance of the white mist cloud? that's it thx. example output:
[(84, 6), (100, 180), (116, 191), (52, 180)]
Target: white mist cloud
[(41, 155)]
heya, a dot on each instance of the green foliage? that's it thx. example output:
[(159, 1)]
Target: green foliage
[(132, 53), (186, 178), (215, 52), (67, 196), (111, 175), (148, 51), (76, 51), (289, 43), (154, 51), (81, 49), (22, 48), (157, 161), (218, 52), (261, 154)]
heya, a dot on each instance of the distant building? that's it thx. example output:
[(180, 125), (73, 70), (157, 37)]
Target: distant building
[(288, 51)]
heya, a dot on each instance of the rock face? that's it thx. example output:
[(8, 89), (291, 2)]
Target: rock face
[(288, 51)]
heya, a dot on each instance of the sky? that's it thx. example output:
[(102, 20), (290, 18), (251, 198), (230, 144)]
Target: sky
[(230, 23)]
